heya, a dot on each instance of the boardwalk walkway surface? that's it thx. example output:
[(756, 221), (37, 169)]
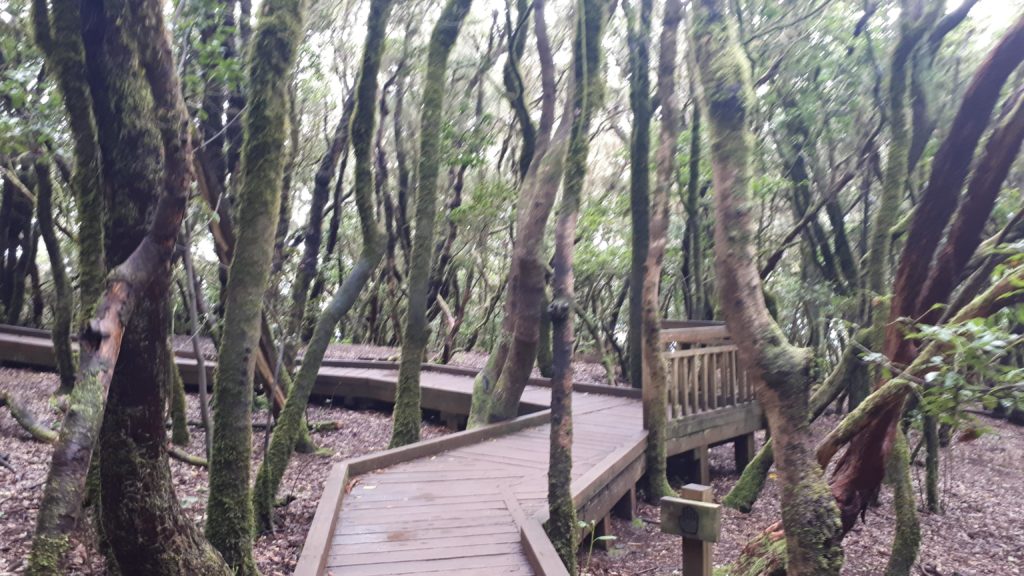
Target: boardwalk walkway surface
[(472, 503), (462, 511)]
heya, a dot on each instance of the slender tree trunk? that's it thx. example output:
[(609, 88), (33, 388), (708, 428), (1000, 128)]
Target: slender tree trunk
[(63, 301), (191, 299), (59, 34), (638, 39), (655, 388), (289, 422), (406, 416), (588, 80), (229, 509), (782, 373)]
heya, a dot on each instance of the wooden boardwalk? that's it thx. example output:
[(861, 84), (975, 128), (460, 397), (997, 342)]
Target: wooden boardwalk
[(464, 510), (473, 502)]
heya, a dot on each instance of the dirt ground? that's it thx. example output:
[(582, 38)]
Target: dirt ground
[(981, 532)]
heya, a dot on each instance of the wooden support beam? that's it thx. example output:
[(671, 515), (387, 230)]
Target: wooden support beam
[(745, 447), (625, 508), (604, 534)]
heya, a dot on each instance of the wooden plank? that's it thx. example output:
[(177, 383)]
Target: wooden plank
[(444, 443), (448, 565), (468, 539), (426, 554), (365, 528), (539, 550), (706, 351), (314, 551), (425, 536), (694, 335)]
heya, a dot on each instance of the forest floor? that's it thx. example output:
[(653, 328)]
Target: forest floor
[(979, 535), (980, 532)]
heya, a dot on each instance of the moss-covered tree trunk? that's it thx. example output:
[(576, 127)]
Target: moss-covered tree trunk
[(655, 389), (638, 38), (782, 372), (132, 81), (362, 125), (693, 241), (59, 34), (406, 416), (585, 99), (63, 300), (271, 57)]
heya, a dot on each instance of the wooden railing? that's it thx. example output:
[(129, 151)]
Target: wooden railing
[(704, 372)]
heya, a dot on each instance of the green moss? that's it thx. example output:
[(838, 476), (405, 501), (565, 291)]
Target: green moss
[(907, 539), (406, 415), (272, 55), (748, 488)]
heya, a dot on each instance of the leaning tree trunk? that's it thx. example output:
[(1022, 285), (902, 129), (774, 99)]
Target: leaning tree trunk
[(500, 384), (406, 416), (782, 372), (275, 45), (110, 40), (655, 391), (289, 421)]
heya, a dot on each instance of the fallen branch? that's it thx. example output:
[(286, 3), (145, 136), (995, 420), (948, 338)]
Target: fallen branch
[(181, 455), (27, 419)]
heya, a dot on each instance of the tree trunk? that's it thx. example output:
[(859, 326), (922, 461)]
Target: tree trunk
[(130, 143), (781, 372), (63, 301), (289, 422), (59, 34), (229, 522), (406, 416), (655, 388), (638, 39), (591, 16), (498, 387)]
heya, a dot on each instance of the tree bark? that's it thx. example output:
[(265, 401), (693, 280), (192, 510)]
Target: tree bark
[(275, 45), (781, 372), (406, 416), (655, 389)]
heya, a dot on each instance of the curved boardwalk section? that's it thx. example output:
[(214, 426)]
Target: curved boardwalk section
[(450, 508)]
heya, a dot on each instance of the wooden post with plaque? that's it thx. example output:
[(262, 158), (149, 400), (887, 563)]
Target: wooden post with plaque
[(698, 521)]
